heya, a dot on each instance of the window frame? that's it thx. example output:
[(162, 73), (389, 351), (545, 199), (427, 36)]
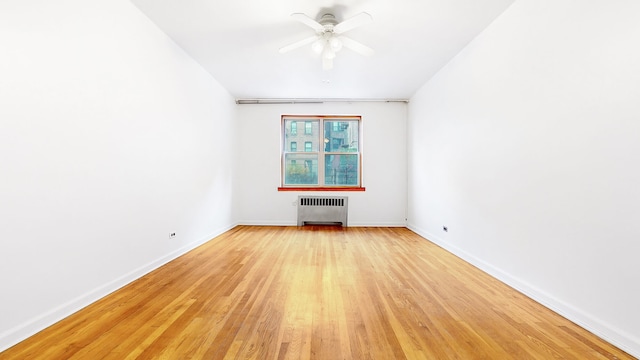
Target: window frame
[(321, 151)]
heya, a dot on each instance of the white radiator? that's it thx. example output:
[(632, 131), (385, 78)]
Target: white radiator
[(322, 210)]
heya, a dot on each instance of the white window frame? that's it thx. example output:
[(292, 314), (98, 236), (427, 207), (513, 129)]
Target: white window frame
[(321, 151)]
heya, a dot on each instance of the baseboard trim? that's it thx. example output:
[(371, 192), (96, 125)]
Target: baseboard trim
[(268, 223), (618, 338), (13, 336), (288, 223)]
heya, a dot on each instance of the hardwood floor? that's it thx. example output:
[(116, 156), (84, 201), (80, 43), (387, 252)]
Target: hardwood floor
[(315, 293)]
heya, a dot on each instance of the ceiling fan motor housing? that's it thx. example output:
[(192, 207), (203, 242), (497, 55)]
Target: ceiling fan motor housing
[(328, 21)]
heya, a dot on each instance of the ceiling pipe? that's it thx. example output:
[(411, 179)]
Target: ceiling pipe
[(312, 101)]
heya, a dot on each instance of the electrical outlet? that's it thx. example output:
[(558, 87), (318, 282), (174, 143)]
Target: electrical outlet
[(445, 229), (172, 235)]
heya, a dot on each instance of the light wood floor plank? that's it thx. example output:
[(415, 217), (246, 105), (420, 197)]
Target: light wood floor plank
[(315, 293)]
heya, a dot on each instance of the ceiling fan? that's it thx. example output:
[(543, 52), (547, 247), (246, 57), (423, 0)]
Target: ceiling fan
[(328, 39)]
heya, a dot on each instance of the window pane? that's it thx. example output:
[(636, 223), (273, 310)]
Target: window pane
[(341, 169), (308, 127), (294, 146), (300, 137), (341, 136), (301, 169)]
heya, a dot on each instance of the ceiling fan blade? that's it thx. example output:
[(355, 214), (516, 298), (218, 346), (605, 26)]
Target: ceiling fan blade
[(308, 21), (297, 44), (356, 46), (353, 22)]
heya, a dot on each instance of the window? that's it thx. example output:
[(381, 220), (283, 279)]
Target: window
[(294, 128), (331, 157)]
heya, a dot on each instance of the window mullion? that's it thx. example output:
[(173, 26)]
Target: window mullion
[(321, 178)]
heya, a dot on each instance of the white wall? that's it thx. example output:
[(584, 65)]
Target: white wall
[(110, 138), (384, 164), (527, 146)]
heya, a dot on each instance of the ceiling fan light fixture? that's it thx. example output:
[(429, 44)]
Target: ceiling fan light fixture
[(335, 44), (328, 53), (318, 46), (327, 64)]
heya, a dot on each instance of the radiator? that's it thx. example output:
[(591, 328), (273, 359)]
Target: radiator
[(322, 210)]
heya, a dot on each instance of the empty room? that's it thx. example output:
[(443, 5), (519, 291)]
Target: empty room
[(319, 179)]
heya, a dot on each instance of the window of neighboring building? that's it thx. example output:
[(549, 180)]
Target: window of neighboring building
[(331, 157), (294, 128)]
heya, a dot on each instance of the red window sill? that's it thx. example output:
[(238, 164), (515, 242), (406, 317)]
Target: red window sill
[(291, 188)]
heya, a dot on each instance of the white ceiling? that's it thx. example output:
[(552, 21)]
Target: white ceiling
[(238, 41)]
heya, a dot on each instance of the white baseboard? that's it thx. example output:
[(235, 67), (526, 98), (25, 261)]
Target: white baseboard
[(267, 223), (38, 323), (294, 223), (620, 339), (366, 224)]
